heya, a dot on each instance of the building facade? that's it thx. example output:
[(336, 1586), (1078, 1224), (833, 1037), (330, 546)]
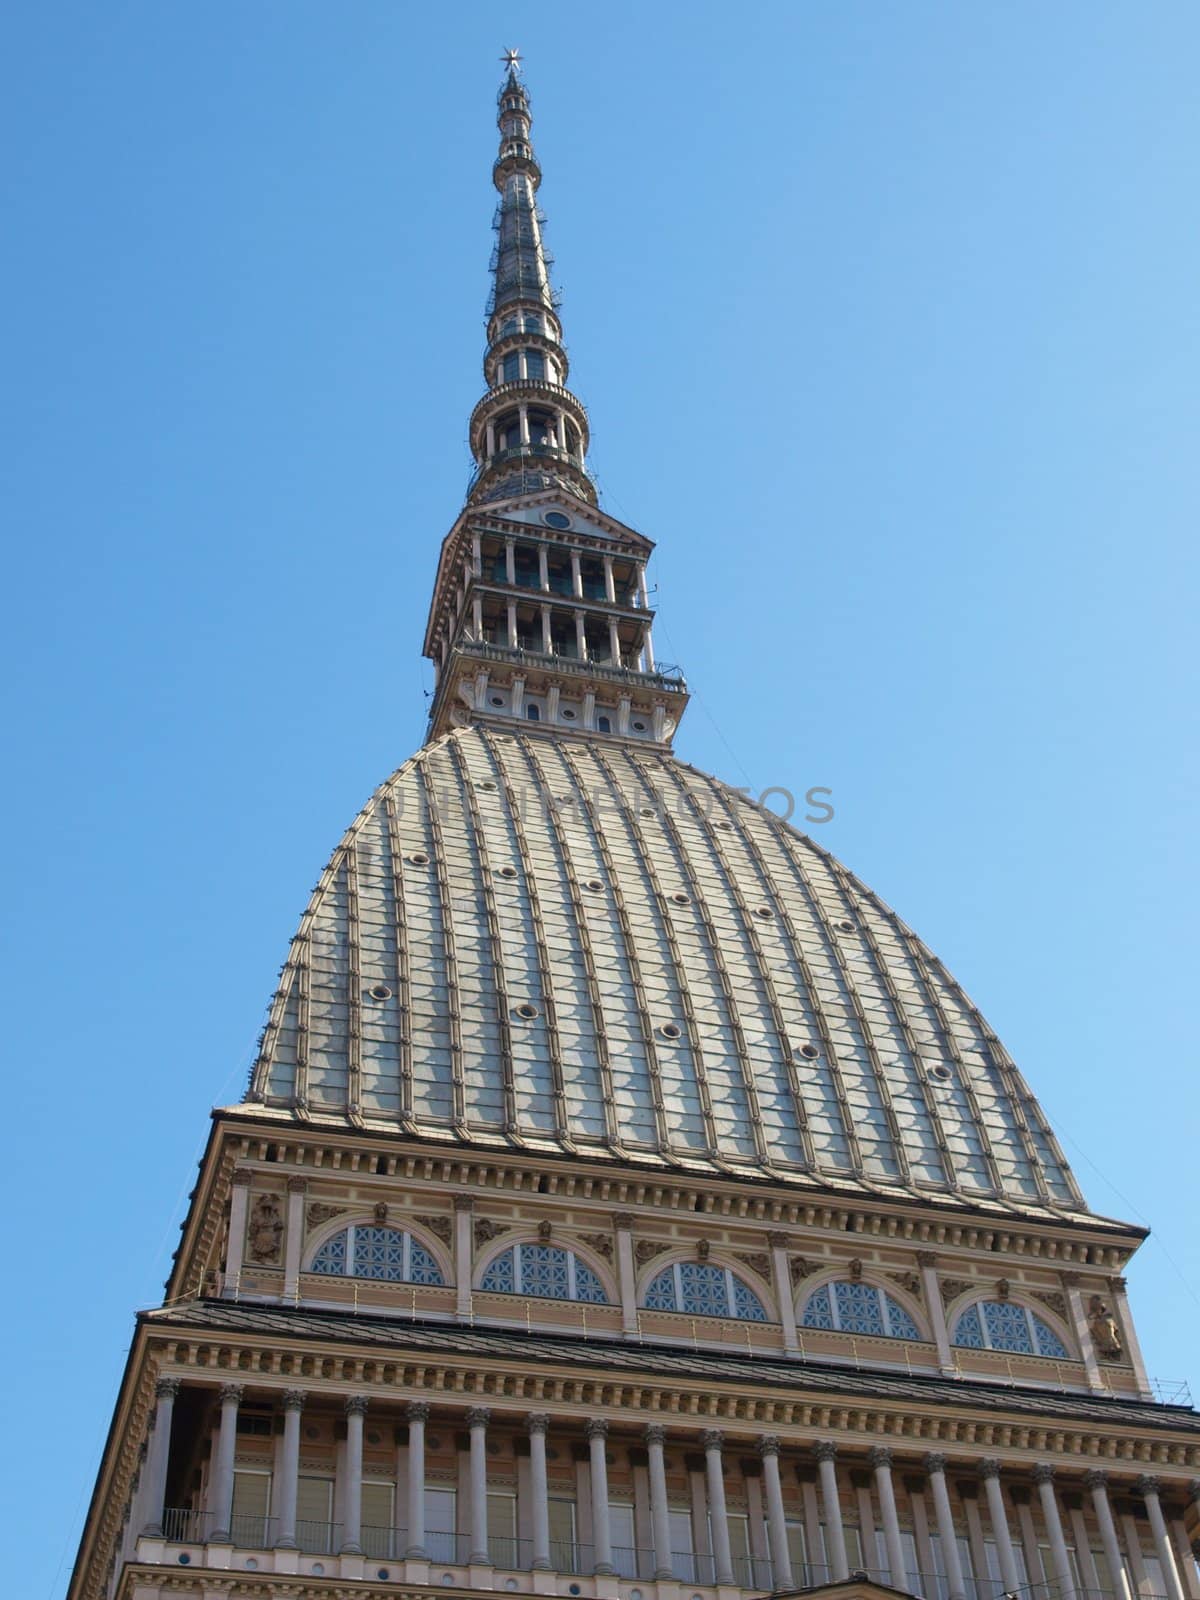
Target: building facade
[(625, 1204)]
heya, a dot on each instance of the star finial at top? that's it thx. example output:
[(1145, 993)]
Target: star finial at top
[(512, 60)]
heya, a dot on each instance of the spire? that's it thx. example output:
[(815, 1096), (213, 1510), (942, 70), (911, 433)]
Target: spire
[(529, 432)]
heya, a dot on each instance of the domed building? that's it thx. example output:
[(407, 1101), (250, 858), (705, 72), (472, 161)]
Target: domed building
[(625, 1204)]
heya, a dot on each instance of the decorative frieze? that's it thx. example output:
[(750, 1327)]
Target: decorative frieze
[(441, 1227)]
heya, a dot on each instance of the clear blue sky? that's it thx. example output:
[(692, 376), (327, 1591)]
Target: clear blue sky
[(886, 316)]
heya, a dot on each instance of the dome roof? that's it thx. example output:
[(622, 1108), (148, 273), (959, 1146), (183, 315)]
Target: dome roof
[(525, 942)]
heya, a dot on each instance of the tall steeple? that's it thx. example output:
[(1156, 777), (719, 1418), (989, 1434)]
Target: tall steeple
[(540, 611)]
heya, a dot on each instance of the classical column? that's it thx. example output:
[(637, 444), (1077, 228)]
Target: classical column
[(1043, 1476), (512, 624), (712, 1440), (614, 642), (510, 562), (1083, 1337), (626, 1271), (356, 1409), (660, 1516), (989, 1471), (581, 636), (781, 1282), (221, 1503), (781, 1560), (477, 615), (537, 1423), (154, 1493), (463, 1245), (477, 1420), (576, 576), (935, 1468), (880, 1459), (547, 642), (1085, 1562), (543, 568), (835, 1540), (235, 1245), (596, 1430), (294, 1241), (1185, 1556), (610, 587), (648, 650), (289, 1469), (1147, 1487), (417, 1413), (1121, 1307), (1096, 1482), (476, 541), (931, 1291)]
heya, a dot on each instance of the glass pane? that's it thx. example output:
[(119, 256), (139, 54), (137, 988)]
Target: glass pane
[(314, 1500), (624, 1540), (564, 1557), (378, 1533), (683, 1562), (818, 1312), (251, 1500), (660, 1296)]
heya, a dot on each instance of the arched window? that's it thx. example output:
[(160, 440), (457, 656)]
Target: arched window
[(532, 712), (364, 1250), (858, 1308), (703, 1290), (603, 725), (1005, 1325), (544, 1271)]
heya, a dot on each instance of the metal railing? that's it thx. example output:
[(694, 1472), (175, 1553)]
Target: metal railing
[(672, 682)]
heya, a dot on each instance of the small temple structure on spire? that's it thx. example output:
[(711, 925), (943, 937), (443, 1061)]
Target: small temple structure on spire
[(625, 1204)]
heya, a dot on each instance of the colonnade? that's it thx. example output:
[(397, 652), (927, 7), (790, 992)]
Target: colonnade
[(1169, 1538)]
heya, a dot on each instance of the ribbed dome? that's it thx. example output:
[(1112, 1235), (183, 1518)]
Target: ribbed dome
[(578, 947)]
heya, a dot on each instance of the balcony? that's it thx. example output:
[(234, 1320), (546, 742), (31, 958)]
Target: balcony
[(548, 454), (668, 681)]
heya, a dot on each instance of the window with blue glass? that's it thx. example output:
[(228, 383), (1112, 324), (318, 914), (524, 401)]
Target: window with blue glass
[(535, 364), (544, 1271), (511, 370), (704, 1290), (1005, 1325), (367, 1251), (847, 1307)]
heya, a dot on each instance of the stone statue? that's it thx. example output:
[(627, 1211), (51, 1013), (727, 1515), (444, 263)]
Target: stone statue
[(1106, 1336), (266, 1228)]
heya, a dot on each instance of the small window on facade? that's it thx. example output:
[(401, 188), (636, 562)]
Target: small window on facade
[(704, 1290), (1005, 1325), (535, 364), (366, 1251), (511, 368), (545, 1272), (533, 713), (858, 1308), (603, 725)]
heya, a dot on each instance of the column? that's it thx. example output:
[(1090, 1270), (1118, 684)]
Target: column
[(477, 615), (1083, 1337), (660, 1516), (417, 1415), (1147, 1487), (510, 561), (512, 624), (880, 1459), (239, 1203), (1043, 1476), (463, 1248), (711, 1441), (476, 542), (781, 1560), (610, 585), (491, 448), (596, 1430), (523, 414), (580, 636), (1185, 1556), (835, 1541), (989, 1471), (289, 1468), (221, 1501), (543, 568), (537, 1423), (1121, 1306), (626, 1271), (935, 1468), (477, 1420), (546, 644), (576, 576), (1085, 1563), (643, 599), (648, 650), (158, 1454), (356, 1408), (294, 1242), (781, 1282), (614, 642), (931, 1291), (1096, 1483)]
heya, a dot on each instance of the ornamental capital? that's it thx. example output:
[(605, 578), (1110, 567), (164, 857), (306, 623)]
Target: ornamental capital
[(417, 1411), (935, 1462), (1147, 1486), (654, 1433), (356, 1405), (712, 1439), (478, 1417), (296, 1184), (231, 1394), (1043, 1472), (1095, 1478), (167, 1388), (537, 1422), (927, 1258), (595, 1428), (879, 1456), (825, 1450), (1118, 1285), (623, 1219), (1071, 1280), (464, 1202), (768, 1444), (242, 1177), (778, 1241), (294, 1399), (989, 1467)]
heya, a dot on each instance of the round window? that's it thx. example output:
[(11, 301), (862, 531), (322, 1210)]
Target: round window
[(809, 1051), (639, 727), (568, 714), (593, 884), (497, 699), (419, 858), (379, 991), (556, 519), (508, 872), (527, 1012), (669, 1030)]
